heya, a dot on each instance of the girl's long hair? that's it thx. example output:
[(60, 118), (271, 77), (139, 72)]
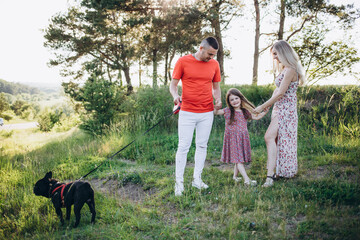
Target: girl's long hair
[(246, 106), (288, 58)]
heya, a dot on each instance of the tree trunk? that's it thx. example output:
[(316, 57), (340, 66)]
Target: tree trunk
[(166, 67), (128, 79), (257, 37), (170, 61), (140, 71), (154, 60), (120, 77), (215, 22), (282, 20), (220, 53)]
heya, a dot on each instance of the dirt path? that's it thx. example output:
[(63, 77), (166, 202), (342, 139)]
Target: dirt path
[(19, 126), (130, 191)]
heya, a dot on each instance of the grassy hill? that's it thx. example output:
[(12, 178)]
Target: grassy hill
[(134, 191)]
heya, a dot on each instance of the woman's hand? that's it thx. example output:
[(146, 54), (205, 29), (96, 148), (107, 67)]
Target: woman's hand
[(259, 109)]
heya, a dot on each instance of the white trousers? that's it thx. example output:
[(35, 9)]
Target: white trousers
[(187, 122)]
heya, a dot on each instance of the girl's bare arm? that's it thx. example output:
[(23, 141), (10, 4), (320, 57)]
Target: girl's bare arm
[(219, 112), (260, 115)]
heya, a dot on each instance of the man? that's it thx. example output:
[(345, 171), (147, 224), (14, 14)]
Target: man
[(200, 75)]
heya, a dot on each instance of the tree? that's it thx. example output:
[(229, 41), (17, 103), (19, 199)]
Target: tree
[(219, 13), (257, 39), (17, 106), (174, 28), (184, 32), (101, 100), (98, 36), (48, 119), (322, 58), (4, 105), (306, 13)]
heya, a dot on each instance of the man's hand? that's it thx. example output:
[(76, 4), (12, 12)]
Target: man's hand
[(177, 100), (218, 104)]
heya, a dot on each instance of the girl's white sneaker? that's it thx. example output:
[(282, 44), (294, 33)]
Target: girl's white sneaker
[(250, 182), (237, 179)]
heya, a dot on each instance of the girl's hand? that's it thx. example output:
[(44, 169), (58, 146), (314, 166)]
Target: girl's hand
[(219, 112), (260, 115), (218, 104)]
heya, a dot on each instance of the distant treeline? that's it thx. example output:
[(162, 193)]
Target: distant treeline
[(16, 88)]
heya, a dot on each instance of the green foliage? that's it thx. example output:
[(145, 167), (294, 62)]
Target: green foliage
[(148, 106), (330, 110), (6, 134), (99, 32), (102, 102), (4, 105), (320, 58), (8, 115), (48, 119), (17, 106), (16, 88)]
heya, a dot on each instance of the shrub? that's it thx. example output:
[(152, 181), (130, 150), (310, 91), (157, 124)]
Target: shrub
[(101, 99), (48, 119)]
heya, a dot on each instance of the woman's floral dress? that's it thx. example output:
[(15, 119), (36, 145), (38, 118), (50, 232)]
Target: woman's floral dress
[(286, 110)]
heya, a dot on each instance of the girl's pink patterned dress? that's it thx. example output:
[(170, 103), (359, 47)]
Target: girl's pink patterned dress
[(236, 147), (286, 110)]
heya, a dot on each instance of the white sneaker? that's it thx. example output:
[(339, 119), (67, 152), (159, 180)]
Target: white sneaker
[(199, 184), (179, 189), (237, 179), (251, 183)]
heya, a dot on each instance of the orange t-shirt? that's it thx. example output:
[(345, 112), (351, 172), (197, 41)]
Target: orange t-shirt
[(197, 80)]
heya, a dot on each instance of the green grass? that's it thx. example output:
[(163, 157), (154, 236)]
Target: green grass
[(135, 190), (322, 202)]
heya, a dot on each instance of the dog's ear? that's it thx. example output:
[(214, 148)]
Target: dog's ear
[(48, 175)]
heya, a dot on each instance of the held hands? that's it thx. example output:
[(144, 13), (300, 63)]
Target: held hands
[(218, 104), (260, 109)]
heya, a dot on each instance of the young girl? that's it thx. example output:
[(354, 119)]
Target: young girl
[(236, 147)]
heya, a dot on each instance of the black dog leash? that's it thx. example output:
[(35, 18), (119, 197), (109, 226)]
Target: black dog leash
[(175, 111)]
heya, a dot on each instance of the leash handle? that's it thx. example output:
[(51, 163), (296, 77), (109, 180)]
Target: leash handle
[(177, 108)]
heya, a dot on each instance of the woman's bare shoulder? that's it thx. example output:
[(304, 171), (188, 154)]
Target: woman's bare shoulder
[(290, 70), (290, 73)]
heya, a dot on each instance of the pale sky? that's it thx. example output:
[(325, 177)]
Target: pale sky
[(23, 58)]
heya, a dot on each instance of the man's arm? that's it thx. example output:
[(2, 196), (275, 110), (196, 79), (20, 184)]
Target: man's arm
[(174, 91), (217, 95)]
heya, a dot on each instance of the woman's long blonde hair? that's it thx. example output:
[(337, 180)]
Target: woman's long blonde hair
[(288, 58), (246, 106)]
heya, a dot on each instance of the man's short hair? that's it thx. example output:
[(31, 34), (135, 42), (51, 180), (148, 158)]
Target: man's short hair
[(210, 41)]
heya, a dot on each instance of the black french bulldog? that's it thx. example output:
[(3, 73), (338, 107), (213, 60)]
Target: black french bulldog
[(65, 195)]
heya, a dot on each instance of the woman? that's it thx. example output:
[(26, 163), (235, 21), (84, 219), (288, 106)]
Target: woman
[(281, 135)]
